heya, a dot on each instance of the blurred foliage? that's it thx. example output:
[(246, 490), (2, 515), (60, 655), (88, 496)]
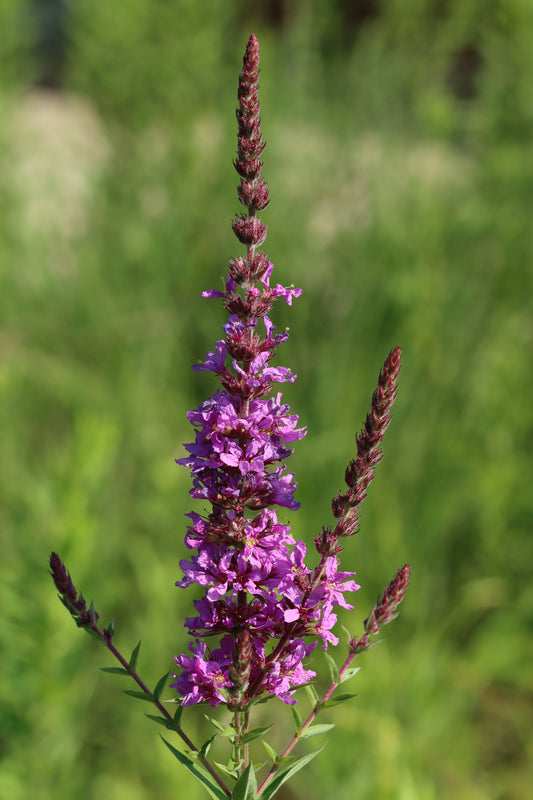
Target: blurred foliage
[(401, 176)]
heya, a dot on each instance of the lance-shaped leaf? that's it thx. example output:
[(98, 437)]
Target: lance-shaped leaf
[(166, 723), (160, 685), (231, 771), (139, 695), (246, 786), (350, 672), (297, 719), (336, 699), (333, 669), (115, 670), (255, 734), (177, 716), (199, 772), (215, 723), (316, 730), (271, 752), (283, 775), (132, 664), (312, 694), (206, 747)]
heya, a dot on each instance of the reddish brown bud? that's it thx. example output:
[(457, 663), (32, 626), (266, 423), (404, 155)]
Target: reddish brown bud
[(253, 195), (249, 230)]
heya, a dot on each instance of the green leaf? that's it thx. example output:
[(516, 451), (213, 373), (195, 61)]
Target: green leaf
[(132, 664), (162, 721), (177, 716), (333, 670), (316, 730), (349, 636), (336, 699), (283, 775), (271, 752), (160, 686), (115, 670), (297, 719), (230, 771), (110, 630), (246, 786), (255, 734), (205, 748), (286, 759), (199, 773), (312, 694), (215, 723), (350, 672), (90, 631), (139, 695)]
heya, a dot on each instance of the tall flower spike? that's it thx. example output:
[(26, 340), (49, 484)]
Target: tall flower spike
[(248, 564)]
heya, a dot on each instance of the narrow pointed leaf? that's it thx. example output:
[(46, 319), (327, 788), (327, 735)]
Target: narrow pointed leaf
[(139, 695), (166, 723), (283, 775), (132, 664), (215, 723), (271, 752), (201, 774), (229, 771), (350, 672), (115, 670), (297, 719), (246, 786), (90, 632), (333, 670), (160, 686), (177, 716), (312, 694), (316, 730), (205, 748), (336, 699), (286, 759), (255, 734)]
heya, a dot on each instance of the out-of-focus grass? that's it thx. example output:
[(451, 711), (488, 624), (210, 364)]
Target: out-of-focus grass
[(403, 212)]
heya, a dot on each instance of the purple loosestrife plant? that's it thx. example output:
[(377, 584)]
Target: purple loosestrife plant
[(263, 609)]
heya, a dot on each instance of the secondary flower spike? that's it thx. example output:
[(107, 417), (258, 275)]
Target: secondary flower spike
[(384, 611)]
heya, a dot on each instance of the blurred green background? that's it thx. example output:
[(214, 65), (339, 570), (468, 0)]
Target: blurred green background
[(401, 174)]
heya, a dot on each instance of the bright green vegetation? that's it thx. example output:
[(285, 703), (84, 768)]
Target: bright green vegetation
[(404, 211)]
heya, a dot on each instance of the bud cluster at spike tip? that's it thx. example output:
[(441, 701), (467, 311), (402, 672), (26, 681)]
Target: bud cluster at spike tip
[(265, 605), (74, 602), (259, 596)]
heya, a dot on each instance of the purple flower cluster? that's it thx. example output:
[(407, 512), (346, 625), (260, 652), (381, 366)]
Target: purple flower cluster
[(260, 598)]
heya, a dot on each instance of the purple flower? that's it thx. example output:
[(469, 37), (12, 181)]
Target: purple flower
[(258, 593)]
